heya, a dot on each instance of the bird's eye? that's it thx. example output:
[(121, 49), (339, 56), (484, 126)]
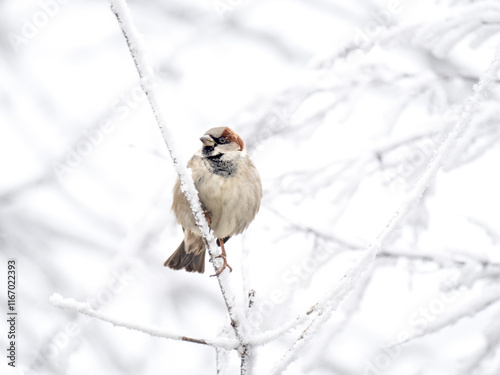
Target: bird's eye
[(222, 140)]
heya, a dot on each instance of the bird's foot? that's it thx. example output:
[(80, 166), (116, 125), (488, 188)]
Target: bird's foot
[(224, 265), (224, 260)]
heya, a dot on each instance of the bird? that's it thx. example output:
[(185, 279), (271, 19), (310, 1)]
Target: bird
[(230, 191)]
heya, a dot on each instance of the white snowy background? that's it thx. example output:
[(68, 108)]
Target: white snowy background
[(342, 106)]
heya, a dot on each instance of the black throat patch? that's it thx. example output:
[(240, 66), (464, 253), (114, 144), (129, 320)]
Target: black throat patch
[(221, 167)]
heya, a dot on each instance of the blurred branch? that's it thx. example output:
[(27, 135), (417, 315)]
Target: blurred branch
[(351, 305), (442, 260), (437, 35), (344, 244), (490, 232), (86, 309), (339, 291), (491, 348), (469, 309), (271, 335)]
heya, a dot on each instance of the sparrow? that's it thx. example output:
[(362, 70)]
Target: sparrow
[(230, 192)]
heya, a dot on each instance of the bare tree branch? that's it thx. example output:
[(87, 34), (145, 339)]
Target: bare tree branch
[(85, 309), (122, 13), (469, 309), (338, 292)]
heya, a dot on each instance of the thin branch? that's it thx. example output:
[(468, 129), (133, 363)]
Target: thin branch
[(349, 310), (121, 11), (85, 309), (417, 254), (137, 51), (221, 355), (271, 335), (467, 310), (220, 361), (492, 348), (429, 256), (247, 366), (338, 292)]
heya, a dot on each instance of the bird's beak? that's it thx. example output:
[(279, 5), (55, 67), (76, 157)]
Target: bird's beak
[(207, 141)]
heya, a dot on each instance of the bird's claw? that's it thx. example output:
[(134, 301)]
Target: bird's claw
[(224, 265)]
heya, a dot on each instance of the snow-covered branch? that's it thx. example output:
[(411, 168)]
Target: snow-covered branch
[(492, 347), (122, 13), (338, 292), (468, 309), (85, 309), (137, 50)]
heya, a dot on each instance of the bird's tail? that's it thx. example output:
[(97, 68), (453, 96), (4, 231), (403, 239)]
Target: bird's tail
[(192, 260)]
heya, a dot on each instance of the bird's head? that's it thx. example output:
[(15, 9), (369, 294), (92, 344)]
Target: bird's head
[(221, 141)]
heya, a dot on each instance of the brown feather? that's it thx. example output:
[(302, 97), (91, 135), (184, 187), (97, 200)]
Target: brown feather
[(233, 137), (193, 261)]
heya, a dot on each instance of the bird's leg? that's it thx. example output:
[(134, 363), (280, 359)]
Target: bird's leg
[(223, 256), (208, 217), (220, 242)]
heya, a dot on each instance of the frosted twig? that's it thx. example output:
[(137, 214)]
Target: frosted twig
[(85, 309), (469, 309), (222, 355), (247, 366), (348, 311), (338, 291), (325, 307), (122, 13), (220, 361), (491, 349), (270, 335)]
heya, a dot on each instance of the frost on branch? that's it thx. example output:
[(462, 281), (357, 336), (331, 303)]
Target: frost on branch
[(342, 130), (155, 331)]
